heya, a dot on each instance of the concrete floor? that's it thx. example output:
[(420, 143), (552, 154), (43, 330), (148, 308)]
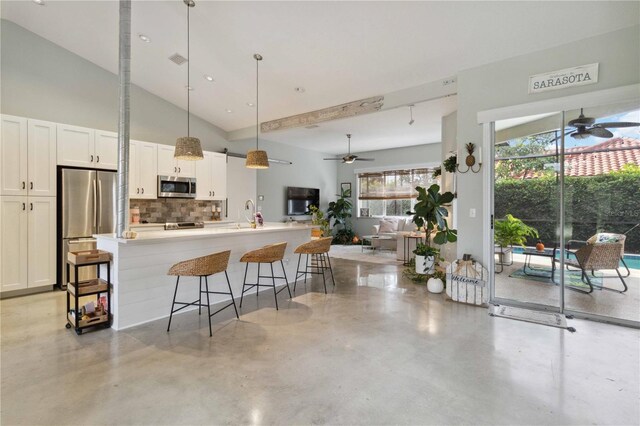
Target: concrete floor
[(376, 350)]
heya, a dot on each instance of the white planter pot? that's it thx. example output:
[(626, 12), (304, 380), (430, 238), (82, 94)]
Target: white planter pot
[(424, 266), (435, 285)]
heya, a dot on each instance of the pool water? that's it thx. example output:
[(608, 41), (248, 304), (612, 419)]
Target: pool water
[(632, 260)]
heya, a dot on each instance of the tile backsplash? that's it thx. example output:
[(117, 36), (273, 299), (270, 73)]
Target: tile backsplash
[(175, 210)]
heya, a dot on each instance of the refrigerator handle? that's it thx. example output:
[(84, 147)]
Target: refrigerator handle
[(98, 207), (95, 207)]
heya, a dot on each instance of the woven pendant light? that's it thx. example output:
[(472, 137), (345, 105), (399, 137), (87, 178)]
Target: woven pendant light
[(188, 148), (256, 158)]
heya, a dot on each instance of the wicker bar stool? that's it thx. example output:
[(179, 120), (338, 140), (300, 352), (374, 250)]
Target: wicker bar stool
[(202, 267), (267, 254), (319, 251)]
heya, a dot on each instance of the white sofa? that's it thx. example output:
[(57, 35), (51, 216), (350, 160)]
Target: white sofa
[(396, 227)]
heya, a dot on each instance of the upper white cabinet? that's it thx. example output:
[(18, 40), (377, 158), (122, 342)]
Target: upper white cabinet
[(211, 177), (169, 166), (83, 147), (13, 156), (143, 170), (106, 150), (28, 160), (76, 146)]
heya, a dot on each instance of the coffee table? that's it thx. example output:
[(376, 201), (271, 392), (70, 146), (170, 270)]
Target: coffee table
[(374, 240)]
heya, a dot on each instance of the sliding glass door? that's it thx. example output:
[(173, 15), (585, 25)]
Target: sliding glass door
[(566, 210)]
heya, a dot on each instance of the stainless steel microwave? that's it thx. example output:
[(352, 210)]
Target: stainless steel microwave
[(176, 187)]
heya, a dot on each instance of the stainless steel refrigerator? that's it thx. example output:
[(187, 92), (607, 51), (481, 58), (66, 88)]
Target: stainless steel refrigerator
[(87, 206)]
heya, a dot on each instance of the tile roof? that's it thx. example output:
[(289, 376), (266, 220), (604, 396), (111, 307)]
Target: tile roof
[(583, 161)]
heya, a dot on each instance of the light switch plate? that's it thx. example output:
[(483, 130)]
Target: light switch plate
[(472, 212), (260, 197)]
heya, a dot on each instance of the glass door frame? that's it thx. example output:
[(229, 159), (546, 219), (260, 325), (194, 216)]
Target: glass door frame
[(487, 119)]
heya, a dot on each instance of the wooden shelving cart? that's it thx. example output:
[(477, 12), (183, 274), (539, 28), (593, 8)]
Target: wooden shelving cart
[(92, 287)]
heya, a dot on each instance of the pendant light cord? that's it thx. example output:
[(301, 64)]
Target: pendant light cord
[(188, 70)]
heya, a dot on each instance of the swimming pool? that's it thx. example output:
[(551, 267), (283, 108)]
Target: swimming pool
[(632, 260)]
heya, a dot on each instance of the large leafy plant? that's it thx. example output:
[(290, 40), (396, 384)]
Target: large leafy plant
[(340, 212), (431, 214), (512, 231)]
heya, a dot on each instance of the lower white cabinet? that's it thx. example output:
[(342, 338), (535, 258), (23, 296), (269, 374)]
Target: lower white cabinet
[(28, 243)]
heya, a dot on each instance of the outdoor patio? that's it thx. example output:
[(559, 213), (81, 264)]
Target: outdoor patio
[(543, 291)]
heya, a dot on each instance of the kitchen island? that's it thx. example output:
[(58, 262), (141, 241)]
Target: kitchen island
[(142, 290)]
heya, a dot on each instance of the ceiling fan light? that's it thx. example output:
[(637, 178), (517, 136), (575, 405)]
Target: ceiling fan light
[(188, 148), (257, 159)]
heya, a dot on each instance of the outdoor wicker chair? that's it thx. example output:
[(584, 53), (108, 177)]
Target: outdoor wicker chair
[(601, 251)]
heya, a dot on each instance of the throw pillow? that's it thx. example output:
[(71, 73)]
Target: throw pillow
[(388, 225)]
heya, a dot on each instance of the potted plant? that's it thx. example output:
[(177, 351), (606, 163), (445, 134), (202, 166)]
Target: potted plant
[(435, 284), (512, 231), (450, 164), (425, 258), (318, 219), (430, 214), (340, 212)]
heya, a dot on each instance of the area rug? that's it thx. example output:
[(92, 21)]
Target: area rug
[(384, 257), (571, 278), (550, 319)]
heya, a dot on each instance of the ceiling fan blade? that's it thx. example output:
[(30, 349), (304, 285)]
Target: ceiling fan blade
[(600, 132), (620, 124), (332, 159), (365, 159)]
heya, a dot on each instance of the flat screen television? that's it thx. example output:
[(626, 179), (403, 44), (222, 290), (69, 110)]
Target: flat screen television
[(300, 199)]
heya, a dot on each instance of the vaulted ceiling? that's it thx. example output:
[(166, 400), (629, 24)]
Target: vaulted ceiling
[(337, 51)]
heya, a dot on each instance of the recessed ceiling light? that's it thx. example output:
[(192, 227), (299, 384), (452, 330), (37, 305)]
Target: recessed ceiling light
[(208, 77), (228, 111), (39, 2), (141, 37), (299, 89), (188, 87), (251, 104)]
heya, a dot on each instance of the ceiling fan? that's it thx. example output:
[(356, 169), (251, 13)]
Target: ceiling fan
[(587, 126), (350, 158)]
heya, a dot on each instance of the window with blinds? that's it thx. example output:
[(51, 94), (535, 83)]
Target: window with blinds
[(390, 193)]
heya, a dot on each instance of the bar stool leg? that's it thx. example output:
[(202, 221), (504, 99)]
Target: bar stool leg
[(231, 294), (200, 298), (286, 280), (297, 273), (206, 283), (258, 281), (244, 283), (173, 303), (306, 269), (330, 268), (320, 258), (273, 278)]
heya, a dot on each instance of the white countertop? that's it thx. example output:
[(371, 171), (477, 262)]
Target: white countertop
[(211, 232), (206, 222)]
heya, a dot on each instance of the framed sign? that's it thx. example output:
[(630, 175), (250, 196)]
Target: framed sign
[(345, 188), (467, 282), (561, 79)]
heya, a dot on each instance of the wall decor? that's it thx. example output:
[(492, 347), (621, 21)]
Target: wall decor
[(470, 159), (364, 212), (561, 79), (345, 188)]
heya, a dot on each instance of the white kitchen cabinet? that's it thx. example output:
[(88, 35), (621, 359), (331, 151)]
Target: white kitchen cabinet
[(13, 155), (169, 166), (41, 158), (28, 244), (211, 177), (13, 244), (106, 150), (28, 157), (41, 242), (143, 170), (76, 146)]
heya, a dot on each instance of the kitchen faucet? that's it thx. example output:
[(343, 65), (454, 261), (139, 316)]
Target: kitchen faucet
[(250, 205)]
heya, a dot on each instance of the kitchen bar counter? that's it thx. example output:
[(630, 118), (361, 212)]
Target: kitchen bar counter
[(142, 290)]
